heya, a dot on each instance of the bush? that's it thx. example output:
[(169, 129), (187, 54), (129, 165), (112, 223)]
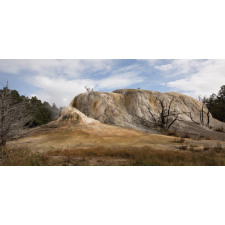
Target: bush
[(206, 148), (180, 140), (183, 147), (218, 147), (170, 132), (186, 135), (219, 129)]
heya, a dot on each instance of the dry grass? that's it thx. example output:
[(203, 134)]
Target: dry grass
[(170, 132), (179, 140), (186, 135), (183, 147), (21, 157), (206, 148), (144, 156), (182, 155)]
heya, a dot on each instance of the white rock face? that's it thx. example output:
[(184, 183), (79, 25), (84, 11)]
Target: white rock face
[(73, 114), (119, 107)]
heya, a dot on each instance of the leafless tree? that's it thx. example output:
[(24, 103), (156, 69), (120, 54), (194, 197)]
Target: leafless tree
[(201, 114), (11, 115), (89, 89), (167, 117)]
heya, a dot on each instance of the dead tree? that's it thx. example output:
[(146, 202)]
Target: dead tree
[(208, 111), (201, 115), (11, 115), (89, 89), (167, 116)]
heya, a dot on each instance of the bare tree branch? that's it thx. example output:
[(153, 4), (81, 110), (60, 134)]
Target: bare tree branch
[(201, 115), (89, 89), (167, 117)]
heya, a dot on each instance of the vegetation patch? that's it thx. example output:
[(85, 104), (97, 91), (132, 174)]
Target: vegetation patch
[(170, 132), (220, 129), (179, 140), (22, 157)]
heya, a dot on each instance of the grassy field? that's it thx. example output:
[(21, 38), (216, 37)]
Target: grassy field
[(144, 156)]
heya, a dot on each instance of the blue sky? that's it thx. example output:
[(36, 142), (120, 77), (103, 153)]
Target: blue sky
[(60, 80)]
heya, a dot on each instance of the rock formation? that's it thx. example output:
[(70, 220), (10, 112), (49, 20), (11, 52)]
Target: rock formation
[(98, 116), (138, 109)]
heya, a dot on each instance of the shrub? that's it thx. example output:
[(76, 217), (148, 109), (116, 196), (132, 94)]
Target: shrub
[(180, 140), (196, 138), (172, 133), (206, 148), (219, 129), (218, 147), (183, 147), (193, 147), (186, 135)]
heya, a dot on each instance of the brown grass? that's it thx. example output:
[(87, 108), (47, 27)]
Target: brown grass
[(142, 156), (183, 147), (146, 156), (179, 140), (21, 157), (170, 133), (186, 135)]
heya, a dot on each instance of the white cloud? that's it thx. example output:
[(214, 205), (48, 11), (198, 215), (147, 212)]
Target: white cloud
[(54, 67), (60, 80), (120, 80), (209, 78), (59, 90), (62, 91), (182, 66)]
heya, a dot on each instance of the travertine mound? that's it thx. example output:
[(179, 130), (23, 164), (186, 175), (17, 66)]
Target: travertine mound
[(120, 107), (86, 119), (73, 115)]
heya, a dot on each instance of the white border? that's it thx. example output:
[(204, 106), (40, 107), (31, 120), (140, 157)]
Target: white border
[(101, 29), (112, 195), (116, 29)]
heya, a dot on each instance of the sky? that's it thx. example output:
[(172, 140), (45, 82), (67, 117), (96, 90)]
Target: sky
[(59, 81)]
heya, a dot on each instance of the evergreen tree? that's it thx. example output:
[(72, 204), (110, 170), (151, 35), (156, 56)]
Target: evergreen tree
[(216, 104), (18, 112)]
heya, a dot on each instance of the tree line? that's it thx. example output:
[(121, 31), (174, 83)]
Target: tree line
[(18, 112), (216, 104)]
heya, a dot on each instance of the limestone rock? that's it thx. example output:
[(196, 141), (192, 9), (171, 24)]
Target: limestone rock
[(125, 107)]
